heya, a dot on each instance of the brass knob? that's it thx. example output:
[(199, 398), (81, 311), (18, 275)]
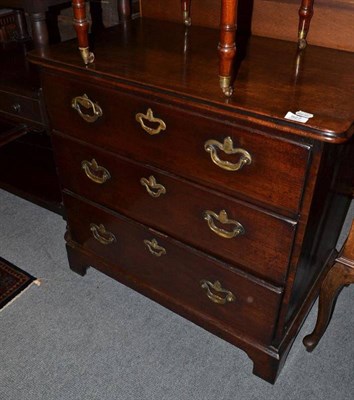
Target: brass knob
[(152, 187), (16, 108), (84, 101), (149, 116), (103, 236), (95, 172), (222, 217), (227, 147), (228, 297)]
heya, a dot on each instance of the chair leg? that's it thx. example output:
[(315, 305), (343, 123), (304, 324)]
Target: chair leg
[(338, 276), (227, 44), (81, 26), (305, 15), (186, 7)]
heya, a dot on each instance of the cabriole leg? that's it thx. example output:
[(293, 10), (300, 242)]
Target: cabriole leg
[(338, 276)]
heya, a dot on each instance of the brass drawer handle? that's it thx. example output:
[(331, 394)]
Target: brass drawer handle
[(94, 172), (100, 233), (227, 297), (152, 187), (227, 147), (154, 248), (238, 229), (85, 102), (149, 116)]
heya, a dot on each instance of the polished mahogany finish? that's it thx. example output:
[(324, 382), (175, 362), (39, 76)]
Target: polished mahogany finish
[(272, 80), (253, 313), (331, 26), (180, 210), (339, 275), (226, 47), (152, 185), (277, 162)]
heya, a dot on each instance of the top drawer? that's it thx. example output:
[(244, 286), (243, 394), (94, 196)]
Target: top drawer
[(263, 169)]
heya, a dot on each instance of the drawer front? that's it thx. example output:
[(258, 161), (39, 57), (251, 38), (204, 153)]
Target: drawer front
[(20, 107), (258, 241), (246, 306), (268, 170)]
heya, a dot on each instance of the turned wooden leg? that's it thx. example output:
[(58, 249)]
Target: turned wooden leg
[(338, 276), (227, 44), (305, 15), (39, 29), (81, 27), (124, 10), (186, 9)]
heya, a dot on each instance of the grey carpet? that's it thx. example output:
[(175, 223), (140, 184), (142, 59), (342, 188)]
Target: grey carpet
[(92, 338)]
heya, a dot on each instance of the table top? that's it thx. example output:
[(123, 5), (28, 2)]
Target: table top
[(272, 77)]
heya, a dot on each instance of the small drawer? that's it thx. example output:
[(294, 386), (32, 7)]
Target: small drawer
[(258, 241), (20, 107), (206, 287), (262, 169)]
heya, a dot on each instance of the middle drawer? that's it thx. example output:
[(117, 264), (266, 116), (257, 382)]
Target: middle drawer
[(232, 230)]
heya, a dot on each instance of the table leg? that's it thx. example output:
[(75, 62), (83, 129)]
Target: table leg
[(81, 26), (39, 29), (227, 44), (338, 276), (186, 7), (305, 15), (124, 10)]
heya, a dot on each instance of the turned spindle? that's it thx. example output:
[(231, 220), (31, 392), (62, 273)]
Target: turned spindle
[(81, 26), (227, 44), (186, 7), (305, 15)]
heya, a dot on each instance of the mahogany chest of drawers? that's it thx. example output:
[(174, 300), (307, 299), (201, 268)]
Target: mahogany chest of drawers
[(220, 209)]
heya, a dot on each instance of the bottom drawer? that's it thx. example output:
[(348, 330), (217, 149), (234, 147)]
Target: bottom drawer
[(207, 287)]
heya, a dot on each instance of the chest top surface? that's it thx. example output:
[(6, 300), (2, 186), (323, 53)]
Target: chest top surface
[(272, 77)]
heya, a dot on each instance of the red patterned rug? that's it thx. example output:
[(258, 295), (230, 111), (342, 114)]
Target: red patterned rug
[(12, 281)]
